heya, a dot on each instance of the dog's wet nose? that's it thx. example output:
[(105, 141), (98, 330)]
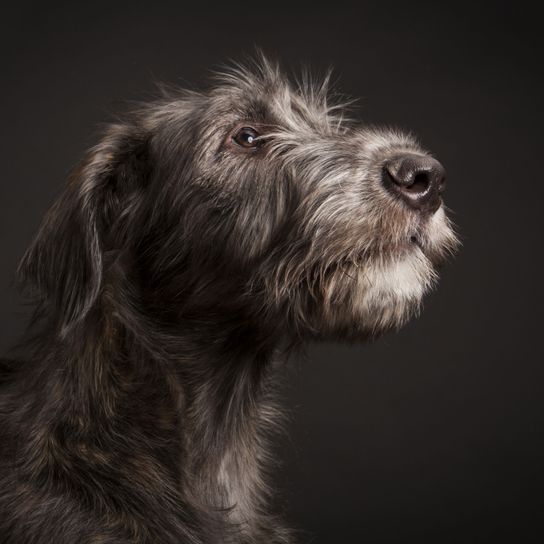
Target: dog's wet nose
[(417, 180)]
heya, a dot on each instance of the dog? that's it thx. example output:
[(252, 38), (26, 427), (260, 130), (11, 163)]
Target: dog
[(204, 238)]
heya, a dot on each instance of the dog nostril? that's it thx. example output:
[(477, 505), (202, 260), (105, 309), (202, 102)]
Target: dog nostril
[(416, 179), (420, 184)]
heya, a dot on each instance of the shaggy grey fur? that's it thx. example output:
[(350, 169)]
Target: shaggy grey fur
[(203, 238)]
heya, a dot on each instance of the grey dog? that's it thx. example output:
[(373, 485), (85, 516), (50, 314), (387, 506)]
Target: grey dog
[(205, 236)]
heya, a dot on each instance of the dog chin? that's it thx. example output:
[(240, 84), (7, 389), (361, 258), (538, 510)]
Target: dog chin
[(378, 296)]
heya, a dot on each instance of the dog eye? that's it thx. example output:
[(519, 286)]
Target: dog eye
[(247, 137)]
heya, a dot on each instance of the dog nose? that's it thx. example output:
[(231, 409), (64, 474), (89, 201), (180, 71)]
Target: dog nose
[(417, 180)]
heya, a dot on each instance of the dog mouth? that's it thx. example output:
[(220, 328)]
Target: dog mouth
[(435, 252), (414, 242), (397, 250)]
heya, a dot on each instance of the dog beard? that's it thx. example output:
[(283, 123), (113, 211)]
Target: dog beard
[(358, 298)]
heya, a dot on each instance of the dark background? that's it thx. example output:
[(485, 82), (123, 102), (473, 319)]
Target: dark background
[(434, 434)]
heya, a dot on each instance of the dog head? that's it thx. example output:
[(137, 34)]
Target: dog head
[(254, 201)]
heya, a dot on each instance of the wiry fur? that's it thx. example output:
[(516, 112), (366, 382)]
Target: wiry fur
[(172, 274)]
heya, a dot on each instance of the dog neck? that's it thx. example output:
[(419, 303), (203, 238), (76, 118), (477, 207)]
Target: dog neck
[(189, 423)]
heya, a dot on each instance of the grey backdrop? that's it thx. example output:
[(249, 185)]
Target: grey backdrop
[(431, 435)]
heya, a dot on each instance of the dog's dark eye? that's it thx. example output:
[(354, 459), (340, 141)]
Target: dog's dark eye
[(246, 137)]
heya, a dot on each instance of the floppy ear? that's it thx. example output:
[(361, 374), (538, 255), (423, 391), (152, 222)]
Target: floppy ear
[(65, 263)]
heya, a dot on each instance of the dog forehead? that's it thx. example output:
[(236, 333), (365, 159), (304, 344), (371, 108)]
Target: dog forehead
[(270, 98)]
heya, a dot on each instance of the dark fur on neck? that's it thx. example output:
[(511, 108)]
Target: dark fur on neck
[(147, 435)]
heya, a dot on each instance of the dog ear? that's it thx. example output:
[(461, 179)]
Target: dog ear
[(65, 263)]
